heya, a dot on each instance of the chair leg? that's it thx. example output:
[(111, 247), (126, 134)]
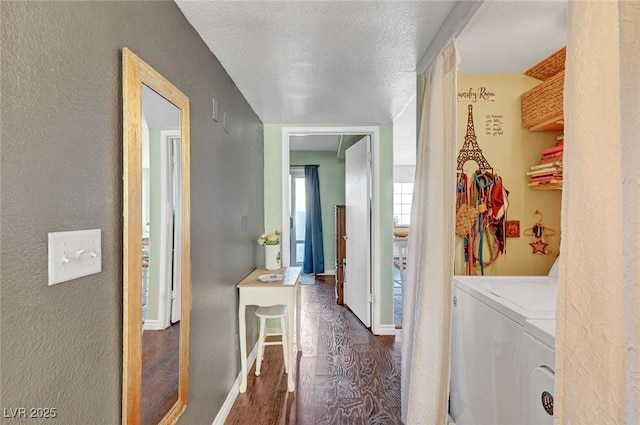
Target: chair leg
[(260, 345), (285, 345)]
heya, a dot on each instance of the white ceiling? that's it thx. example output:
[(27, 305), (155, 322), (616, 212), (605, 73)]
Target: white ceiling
[(314, 142), (158, 112), (506, 37), (342, 62), (320, 61)]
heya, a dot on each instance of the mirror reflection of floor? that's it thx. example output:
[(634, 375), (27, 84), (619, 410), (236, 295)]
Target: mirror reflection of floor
[(160, 370)]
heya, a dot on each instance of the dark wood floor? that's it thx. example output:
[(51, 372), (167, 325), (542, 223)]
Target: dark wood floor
[(344, 374), (160, 361)]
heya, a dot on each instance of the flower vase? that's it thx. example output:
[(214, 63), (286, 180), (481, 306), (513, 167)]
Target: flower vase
[(272, 257)]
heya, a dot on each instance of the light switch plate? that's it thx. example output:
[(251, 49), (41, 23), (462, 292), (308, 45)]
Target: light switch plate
[(74, 254), (214, 114), (245, 224)]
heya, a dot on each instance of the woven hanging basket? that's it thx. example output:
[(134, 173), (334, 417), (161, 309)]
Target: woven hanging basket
[(466, 218)]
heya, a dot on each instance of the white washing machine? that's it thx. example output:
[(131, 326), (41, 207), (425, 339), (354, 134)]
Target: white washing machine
[(492, 359), (540, 349)]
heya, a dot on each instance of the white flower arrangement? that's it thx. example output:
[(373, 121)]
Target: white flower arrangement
[(269, 238)]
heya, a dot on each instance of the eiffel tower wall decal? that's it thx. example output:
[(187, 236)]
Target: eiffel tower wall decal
[(470, 150)]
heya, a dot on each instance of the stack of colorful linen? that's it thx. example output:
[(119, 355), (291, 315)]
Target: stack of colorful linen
[(548, 174)]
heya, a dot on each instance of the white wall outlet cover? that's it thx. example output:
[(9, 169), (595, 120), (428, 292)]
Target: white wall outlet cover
[(74, 254)]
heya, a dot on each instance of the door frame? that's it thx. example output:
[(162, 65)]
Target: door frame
[(168, 249), (373, 131), (175, 285)]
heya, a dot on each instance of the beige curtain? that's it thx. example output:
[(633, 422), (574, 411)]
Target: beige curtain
[(598, 317), (630, 97), (426, 326)]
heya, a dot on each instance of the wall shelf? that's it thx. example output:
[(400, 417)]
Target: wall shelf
[(547, 187), (553, 124), (543, 110)]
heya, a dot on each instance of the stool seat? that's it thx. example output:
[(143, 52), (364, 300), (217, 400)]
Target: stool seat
[(272, 312), (278, 311)]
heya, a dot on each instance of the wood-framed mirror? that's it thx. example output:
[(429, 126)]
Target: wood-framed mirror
[(156, 246)]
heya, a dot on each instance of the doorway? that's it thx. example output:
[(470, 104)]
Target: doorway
[(173, 231), (380, 239), (162, 236)]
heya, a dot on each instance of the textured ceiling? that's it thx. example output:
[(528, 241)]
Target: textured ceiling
[(355, 61), (320, 61)]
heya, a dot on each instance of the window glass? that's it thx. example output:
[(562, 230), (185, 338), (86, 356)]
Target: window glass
[(402, 199)]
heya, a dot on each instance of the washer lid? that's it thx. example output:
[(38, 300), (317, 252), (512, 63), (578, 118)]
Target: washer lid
[(517, 297), (543, 330)]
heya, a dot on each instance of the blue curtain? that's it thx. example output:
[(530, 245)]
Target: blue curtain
[(313, 247)]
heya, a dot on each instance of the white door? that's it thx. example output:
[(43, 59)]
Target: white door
[(176, 287), (171, 231), (357, 282)]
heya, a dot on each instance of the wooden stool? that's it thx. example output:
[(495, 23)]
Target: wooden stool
[(278, 311)]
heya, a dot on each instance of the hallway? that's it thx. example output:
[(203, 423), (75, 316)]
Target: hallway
[(343, 375)]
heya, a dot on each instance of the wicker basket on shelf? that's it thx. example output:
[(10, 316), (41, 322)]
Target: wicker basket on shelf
[(550, 66), (543, 102)]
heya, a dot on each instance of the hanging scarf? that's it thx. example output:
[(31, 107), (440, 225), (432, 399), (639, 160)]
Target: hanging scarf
[(481, 207)]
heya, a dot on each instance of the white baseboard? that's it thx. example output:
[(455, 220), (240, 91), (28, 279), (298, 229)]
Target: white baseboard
[(328, 273), (221, 417), (152, 325), (384, 330)]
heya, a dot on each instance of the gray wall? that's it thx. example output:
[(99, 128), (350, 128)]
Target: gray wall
[(61, 168)]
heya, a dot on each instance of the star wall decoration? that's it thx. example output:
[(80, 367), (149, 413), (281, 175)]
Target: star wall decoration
[(539, 247)]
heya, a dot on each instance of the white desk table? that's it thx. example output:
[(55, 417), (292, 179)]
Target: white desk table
[(401, 246), (255, 292)]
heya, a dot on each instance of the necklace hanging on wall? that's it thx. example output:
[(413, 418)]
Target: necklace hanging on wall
[(481, 205)]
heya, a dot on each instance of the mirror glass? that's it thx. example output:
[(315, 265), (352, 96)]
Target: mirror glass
[(160, 255), (156, 295)]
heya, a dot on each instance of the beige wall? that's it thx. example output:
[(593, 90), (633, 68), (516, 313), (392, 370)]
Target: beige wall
[(510, 153)]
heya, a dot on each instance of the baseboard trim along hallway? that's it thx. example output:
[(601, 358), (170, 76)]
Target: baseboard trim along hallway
[(221, 417)]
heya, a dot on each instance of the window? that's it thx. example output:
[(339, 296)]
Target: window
[(298, 205), (402, 197)]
